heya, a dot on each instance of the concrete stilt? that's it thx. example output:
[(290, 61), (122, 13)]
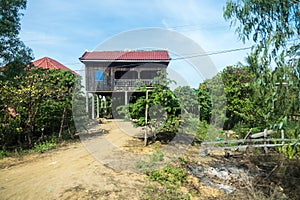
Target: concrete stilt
[(98, 112), (87, 103), (126, 97), (93, 106)]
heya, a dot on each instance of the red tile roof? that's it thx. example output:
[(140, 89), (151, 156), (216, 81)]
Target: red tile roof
[(49, 63), (126, 55)]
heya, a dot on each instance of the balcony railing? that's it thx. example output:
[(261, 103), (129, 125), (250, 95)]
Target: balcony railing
[(130, 84)]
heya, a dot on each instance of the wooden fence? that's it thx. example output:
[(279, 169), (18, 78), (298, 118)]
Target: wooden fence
[(257, 140)]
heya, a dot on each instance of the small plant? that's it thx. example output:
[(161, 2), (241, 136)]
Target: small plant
[(3, 154), (168, 175), (290, 150), (154, 159), (169, 179), (201, 132), (45, 146)]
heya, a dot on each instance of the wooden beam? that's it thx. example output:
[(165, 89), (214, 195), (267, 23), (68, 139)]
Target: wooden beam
[(262, 134)]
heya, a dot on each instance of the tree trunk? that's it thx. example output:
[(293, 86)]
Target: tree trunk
[(62, 122)]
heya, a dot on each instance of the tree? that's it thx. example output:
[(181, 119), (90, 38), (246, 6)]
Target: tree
[(238, 82), (163, 108), (42, 100), (12, 49), (274, 27), (204, 102), (187, 99), (271, 24)]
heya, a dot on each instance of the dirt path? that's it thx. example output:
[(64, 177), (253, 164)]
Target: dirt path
[(69, 172)]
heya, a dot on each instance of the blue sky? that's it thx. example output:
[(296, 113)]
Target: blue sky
[(64, 29)]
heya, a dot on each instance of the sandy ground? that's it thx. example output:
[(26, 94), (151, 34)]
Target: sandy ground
[(70, 172)]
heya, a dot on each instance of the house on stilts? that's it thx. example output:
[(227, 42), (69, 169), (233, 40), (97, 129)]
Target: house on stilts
[(117, 74)]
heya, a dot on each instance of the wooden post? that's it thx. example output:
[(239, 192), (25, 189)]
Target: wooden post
[(146, 120), (93, 106), (265, 142), (282, 142), (226, 143)]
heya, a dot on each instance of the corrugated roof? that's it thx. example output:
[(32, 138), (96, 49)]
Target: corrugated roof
[(126, 55), (49, 63)]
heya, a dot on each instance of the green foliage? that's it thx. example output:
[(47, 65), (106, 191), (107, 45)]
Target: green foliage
[(163, 107), (168, 175), (42, 104), (3, 154), (41, 147), (270, 24), (273, 26), (204, 102), (154, 160), (202, 132), (11, 48), (238, 88), (289, 150), (170, 179), (217, 100), (187, 98)]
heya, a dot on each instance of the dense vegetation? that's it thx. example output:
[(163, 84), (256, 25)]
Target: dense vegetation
[(261, 94), (35, 104)]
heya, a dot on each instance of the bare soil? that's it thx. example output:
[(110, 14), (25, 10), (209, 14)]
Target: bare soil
[(73, 171), (69, 172)]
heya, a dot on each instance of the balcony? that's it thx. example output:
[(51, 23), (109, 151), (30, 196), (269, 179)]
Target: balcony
[(130, 84)]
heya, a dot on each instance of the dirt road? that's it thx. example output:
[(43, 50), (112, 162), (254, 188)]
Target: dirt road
[(69, 172)]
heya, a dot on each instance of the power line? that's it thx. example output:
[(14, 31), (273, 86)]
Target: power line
[(195, 55), (212, 53)]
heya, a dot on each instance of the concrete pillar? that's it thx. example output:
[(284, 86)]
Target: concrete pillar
[(126, 97), (87, 103), (104, 104), (93, 106), (98, 112)]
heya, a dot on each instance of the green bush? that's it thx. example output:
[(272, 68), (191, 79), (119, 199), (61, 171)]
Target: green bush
[(3, 154), (154, 159), (168, 175), (170, 179), (201, 132), (45, 146)]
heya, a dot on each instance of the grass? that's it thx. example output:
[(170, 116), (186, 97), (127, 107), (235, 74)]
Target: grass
[(44, 146), (166, 183)]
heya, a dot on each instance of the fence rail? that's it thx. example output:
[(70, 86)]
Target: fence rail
[(249, 143)]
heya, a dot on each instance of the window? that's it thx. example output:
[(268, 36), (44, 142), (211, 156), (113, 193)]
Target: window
[(126, 75), (148, 74), (99, 75)]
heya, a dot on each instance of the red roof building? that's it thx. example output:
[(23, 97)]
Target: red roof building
[(118, 74), (49, 63), (108, 71)]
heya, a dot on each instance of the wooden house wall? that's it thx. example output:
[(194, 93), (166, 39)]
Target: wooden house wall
[(110, 69)]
